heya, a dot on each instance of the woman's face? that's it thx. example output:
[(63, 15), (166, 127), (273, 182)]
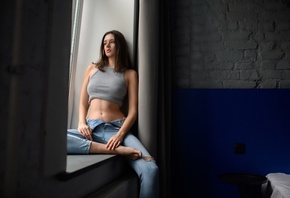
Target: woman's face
[(109, 45)]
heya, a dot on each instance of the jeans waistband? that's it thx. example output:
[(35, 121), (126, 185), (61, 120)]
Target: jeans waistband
[(93, 123)]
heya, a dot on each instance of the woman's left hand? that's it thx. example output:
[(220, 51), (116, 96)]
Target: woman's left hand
[(114, 142)]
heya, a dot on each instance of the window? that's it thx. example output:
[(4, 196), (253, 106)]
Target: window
[(90, 20)]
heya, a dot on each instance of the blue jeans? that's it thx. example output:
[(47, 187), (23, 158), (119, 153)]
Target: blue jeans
[(147, 170)]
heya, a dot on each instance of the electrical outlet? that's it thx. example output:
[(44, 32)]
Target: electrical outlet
[(240, 148)]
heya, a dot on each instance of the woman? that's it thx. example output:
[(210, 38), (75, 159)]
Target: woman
[(103, 127)]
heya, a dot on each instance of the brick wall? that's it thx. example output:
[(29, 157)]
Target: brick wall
[(230, 43)]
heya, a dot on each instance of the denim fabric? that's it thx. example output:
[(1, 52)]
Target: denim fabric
[(147, 170)]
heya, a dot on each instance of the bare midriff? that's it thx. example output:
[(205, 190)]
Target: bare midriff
[(104, 110)]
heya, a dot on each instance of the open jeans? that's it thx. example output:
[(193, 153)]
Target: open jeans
[(147, 170)]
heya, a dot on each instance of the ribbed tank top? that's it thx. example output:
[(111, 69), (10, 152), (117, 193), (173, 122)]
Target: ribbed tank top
[(108, 85)]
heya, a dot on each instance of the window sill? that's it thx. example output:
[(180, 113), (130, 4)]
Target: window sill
[(76, 163), (80, 164)]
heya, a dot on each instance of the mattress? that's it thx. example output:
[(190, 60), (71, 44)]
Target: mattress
[(278, 186)]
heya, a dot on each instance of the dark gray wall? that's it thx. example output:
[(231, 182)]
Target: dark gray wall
[(35, 47), (231, 44), (29, 33)]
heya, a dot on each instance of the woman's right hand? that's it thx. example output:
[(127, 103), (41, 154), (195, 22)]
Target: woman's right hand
[(85, 131)]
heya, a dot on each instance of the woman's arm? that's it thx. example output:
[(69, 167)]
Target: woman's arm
[(84, 106), (131, 78)]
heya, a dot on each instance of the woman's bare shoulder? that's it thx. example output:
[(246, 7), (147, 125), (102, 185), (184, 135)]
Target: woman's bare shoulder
[(131, 72), (91, 68), (131, 75)]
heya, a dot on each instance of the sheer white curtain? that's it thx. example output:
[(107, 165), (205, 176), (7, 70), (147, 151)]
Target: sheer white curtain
[(76, 23)]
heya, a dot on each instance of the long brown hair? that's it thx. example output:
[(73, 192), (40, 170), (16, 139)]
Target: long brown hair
[(122, 59)]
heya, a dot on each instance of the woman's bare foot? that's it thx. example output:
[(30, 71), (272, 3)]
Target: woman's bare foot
[(129, 152)]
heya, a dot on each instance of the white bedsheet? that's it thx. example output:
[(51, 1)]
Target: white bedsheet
[(278, 186)]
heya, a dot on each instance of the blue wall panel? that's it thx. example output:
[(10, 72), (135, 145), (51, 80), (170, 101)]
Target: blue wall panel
[(206, 125)]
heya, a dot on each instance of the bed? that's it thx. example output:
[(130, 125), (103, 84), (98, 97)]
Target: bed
[(278, 186)]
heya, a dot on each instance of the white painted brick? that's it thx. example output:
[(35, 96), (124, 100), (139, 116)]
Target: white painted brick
[(236, 40), (250, 55), (238, 84), (285, 84), (268, 26), (268, 55), (268, 45), (232, 26), (268, 84), (238, 35), (277, 36), (270, 74), (251, 75), (252, 25), (205, 84), (283, 64), (286, 75), (244, 65), (283, 25), (268, 64), (241, 44), (285, 45), (220, 74), (224, 66), (233, 55)]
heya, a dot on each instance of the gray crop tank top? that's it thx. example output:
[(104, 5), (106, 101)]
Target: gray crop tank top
[(108, 85)]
